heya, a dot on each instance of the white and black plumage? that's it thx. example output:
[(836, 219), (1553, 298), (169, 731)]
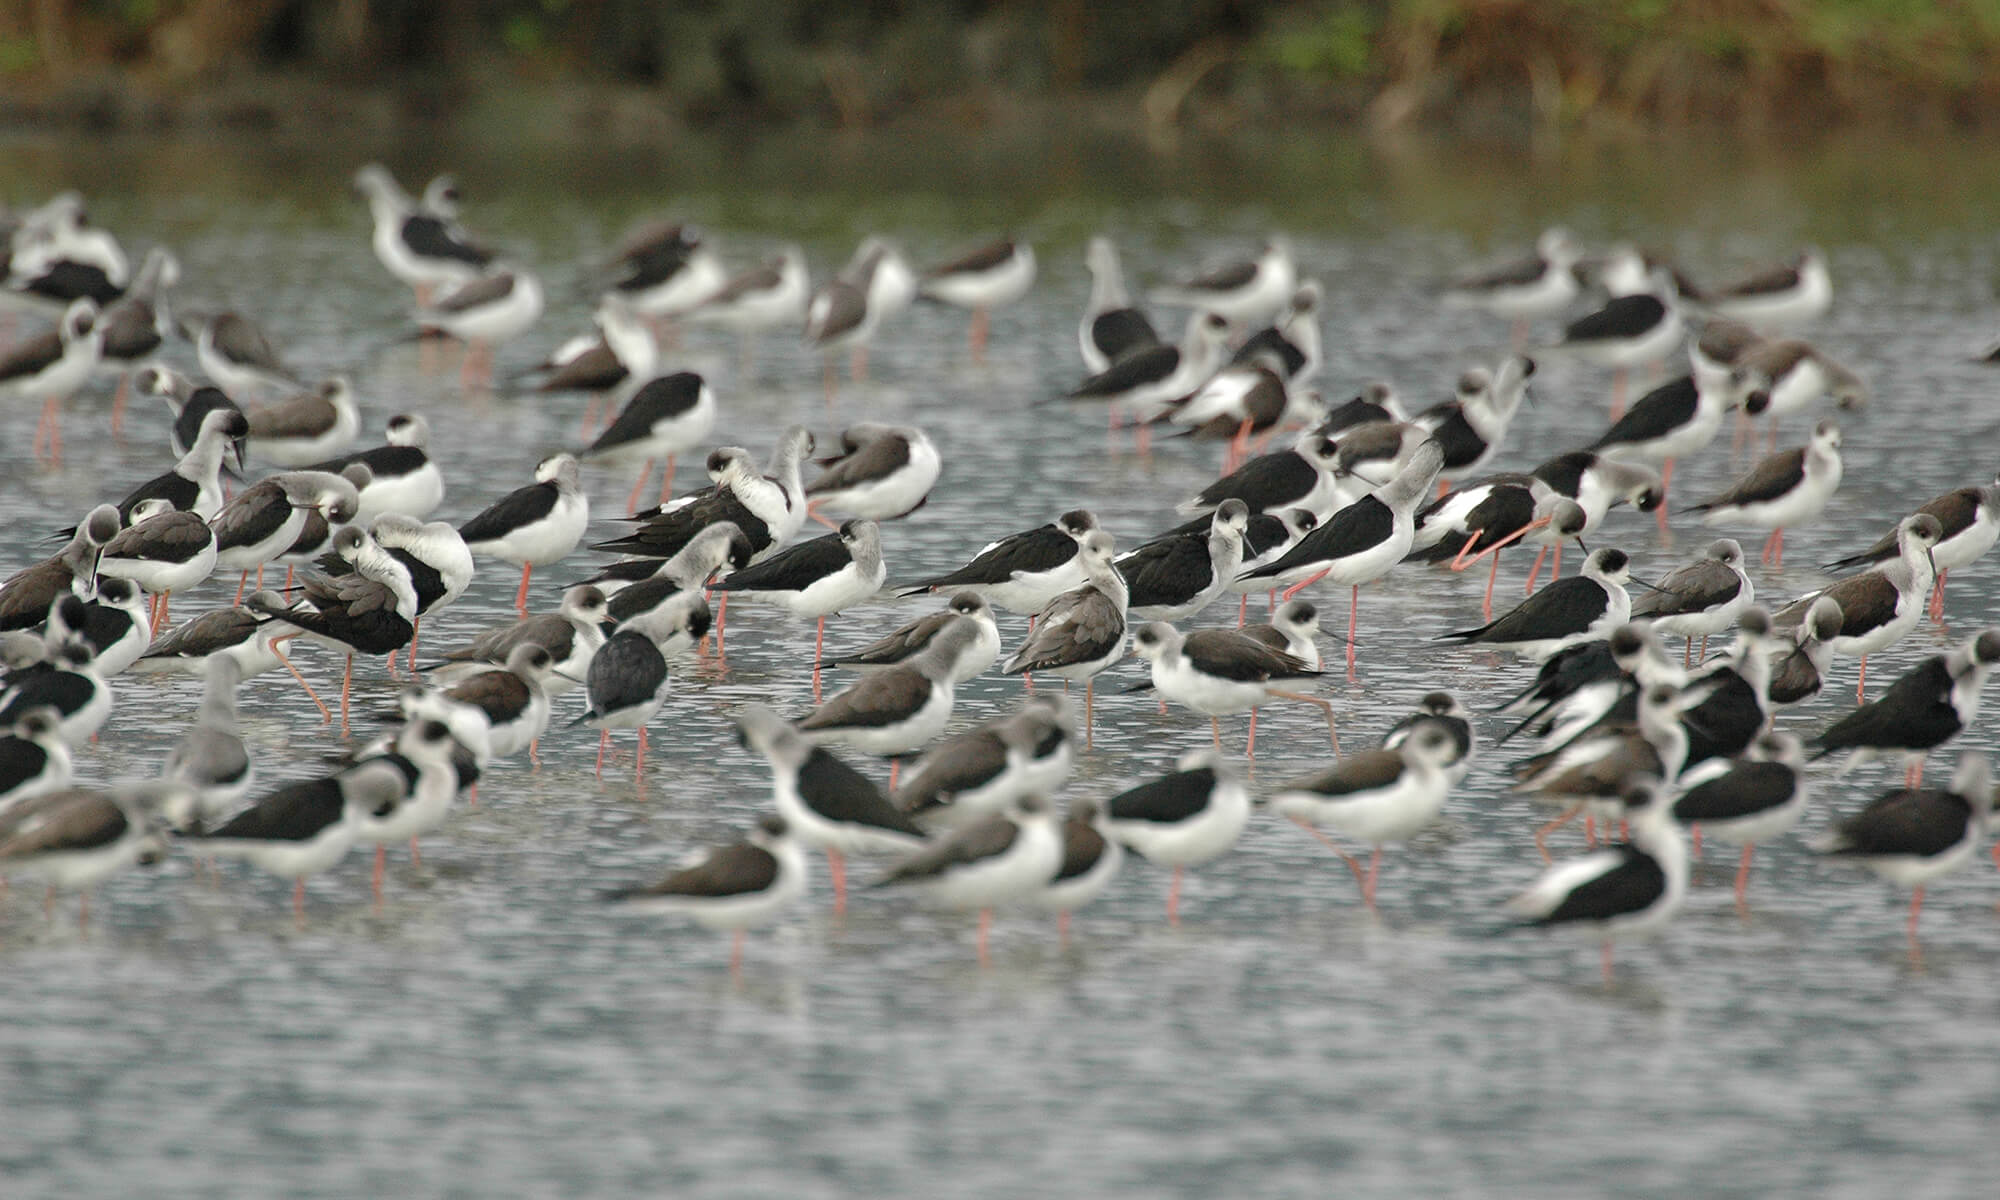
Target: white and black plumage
[(420, 245), (25, 595), (629, 677), (1375, 796), (537, 525), (663, 269), (718, 547), (979, 772), (1597, 483), (189, 402), (1362, 542), (845, 312), (1776, 299), (1878, 607), (734, 887), (1140, 384), (1240, 400), (1703, 597), (1484, 517), (665, 416), (1675, 420), (1266, 539), (1969, 524), (882, 472), (76, 838), (114, 625), (243, 634), (499, 305), (1594, 769), (1081, 632), (1293, 628), (509, 705), (1111, 327), (1787, 376), (1577, 609), (1799, 671), (1714, 354), (1786, 489), (1292, 341), (163, 550), (770, 295), (1631, 890), (982, 279), (1931, 704), (1176, 576), (1303, 476), (1473, 424), (1579, 685), (195, 483), (999, 859), (1749, 800), (305, 828), (1527, 289), (768, 508), (1218, 672), (603, 365), (34, 759), (436, 557), (1185, 818), (371, 611), (52, 367), (1722, 723), (1443, 710), (898, 709), (1912, 836), (818, 578), (136, 324), (828, 804), (264, 521), (1090, 861), (402, 477), (307, 426), (571, 635), (239, 356), (1243, 292), (71, 687), (1023, 571), (1377, 401), (438, 767), (210, 759), (54, 256), (1627, 331), (912, 639)]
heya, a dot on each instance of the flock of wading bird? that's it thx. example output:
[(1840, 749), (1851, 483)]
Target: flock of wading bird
[(1622, 734)]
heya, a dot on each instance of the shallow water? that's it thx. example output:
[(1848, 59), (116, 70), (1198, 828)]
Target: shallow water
[(497, 1029)]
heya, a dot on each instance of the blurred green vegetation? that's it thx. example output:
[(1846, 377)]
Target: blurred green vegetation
[(1544, 66)]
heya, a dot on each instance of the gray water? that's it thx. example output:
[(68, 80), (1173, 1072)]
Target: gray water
[(495, 1029)]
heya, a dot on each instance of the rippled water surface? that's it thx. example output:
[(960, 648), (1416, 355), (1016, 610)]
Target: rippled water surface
[(494, 1029)]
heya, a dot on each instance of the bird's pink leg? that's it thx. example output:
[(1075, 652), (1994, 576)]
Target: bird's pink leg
[(980, 323), (985, 928), (1937, 598), (299, 902), (1305, 583), (667, 482), (1608, 975), (1353, 616), (1916, 907), (1062, 928), (819, 646), (521, 597), (1861, 684), (325, 714), (645, 473), (346, 686), (1542, 834), (1174, 898), (603, 740), (381, 865), (1666, 479), (1535, 570), (1556, 564), (639, 756), (836, 869), (1374, 869), (1743, 878), (736, 956)]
